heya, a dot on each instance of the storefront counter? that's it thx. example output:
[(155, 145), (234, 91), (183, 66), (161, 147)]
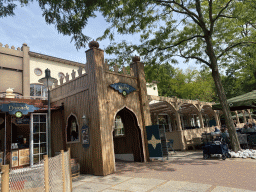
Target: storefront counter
[(20, 157)]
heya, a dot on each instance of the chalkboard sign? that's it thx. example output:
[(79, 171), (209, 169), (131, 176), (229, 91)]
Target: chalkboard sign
[(85, 136)]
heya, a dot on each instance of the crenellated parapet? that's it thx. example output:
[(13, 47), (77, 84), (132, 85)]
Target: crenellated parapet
[(118, 70), (66, 79), (7, 47)]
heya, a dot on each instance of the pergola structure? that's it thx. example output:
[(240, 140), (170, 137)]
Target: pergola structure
[(242, 117), (187, 119)]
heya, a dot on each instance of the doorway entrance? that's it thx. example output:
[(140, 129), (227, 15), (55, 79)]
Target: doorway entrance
[(127, 137)]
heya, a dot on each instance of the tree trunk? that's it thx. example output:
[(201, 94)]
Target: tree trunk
[(222, 96), (226, 111)]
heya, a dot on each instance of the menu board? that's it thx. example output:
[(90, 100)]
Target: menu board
[(23, 157), (15, 158), (1, 158)]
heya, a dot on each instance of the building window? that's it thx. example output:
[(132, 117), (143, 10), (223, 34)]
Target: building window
[(72, 129), (37, 90), (39, 137), (119, 127), (38, 72), (163, 121), (60, 74)]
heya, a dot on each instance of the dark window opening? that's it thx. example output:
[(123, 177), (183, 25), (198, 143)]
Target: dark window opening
[(72, 129)]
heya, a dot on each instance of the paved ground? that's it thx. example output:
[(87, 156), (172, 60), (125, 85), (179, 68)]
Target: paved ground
[(184, 171)]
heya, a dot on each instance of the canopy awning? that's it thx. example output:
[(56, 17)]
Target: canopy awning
[(245, 101)]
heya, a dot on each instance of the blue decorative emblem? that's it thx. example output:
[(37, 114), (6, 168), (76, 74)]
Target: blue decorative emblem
[(12, 108), (85, 136), (123, 88), (15, 158)]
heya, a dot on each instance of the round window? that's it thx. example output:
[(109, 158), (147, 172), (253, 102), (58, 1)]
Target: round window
[(38, 72), (60, 74)]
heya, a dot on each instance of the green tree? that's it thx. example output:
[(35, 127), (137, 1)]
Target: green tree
[(204, 30), (241, 75), (193, 84), (163, 74)]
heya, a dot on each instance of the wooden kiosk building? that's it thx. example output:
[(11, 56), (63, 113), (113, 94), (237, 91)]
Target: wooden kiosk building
[(105, 114)]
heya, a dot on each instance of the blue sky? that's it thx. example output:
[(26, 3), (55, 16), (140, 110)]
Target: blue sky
[(28, 26)]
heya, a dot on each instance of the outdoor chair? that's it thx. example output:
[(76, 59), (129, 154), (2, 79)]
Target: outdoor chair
[(252, 140), (243, 140), (170, 145)]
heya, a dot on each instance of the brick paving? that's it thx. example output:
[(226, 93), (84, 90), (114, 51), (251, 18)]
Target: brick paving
[(184, 171), (191, 167)]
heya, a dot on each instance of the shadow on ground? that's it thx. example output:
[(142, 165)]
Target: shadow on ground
[(180, 158)]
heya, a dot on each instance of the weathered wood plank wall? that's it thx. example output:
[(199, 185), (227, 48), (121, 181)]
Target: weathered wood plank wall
[(90, 95)]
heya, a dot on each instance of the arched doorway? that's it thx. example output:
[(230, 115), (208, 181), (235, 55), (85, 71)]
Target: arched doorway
[(127, 137)]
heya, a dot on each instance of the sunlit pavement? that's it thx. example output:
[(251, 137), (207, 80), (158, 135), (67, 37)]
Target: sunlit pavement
[(183, 171)]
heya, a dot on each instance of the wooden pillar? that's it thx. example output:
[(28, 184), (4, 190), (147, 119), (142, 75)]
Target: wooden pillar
[(5, 178), (201, 119), (46, 173), (250, 117), (138, 68), (102, 162), (179, 129), (245, 121), (70, 172), (217, 120), (182, 122), (237, 118), (63, 170)]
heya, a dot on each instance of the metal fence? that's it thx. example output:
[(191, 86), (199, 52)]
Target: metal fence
[(50, 175)]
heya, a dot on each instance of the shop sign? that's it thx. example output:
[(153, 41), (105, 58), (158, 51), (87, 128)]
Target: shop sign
[(22, 121), (13, 108), (85, 136), (123, 88)]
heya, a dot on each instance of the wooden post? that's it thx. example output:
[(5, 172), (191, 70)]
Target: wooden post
[(5, 178), (69, 160), (46, 173), (63, 170)]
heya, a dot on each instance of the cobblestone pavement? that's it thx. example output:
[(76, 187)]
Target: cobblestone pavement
[(183, 171)]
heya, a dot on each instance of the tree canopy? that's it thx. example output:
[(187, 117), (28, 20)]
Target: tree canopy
[(188, 84)]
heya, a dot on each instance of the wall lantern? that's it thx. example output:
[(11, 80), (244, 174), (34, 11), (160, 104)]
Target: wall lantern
[(85, 120)]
